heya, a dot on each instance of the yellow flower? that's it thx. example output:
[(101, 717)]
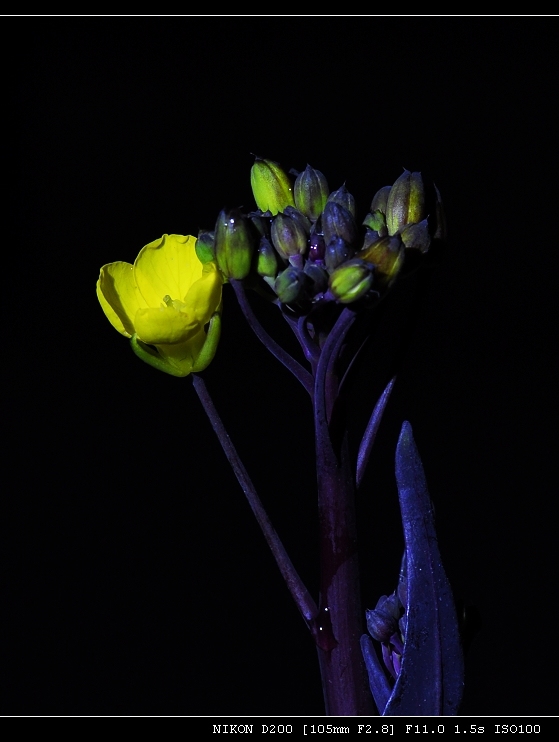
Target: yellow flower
[(165, 300)]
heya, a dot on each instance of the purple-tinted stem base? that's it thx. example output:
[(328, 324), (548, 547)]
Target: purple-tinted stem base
[(344, 678)]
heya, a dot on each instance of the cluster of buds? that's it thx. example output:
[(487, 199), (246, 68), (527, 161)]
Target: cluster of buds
[(305, 242), (387, 624)]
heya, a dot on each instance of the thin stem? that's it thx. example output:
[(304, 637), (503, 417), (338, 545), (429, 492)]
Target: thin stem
[(282, 355), (326, 382), (296, 587), (308, 345)]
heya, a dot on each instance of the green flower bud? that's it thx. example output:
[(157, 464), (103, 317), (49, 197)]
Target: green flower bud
[(376, 221), (351, 281), (311, 192), (343, 197), (406, 202), (289, 285), (337, 252), (387, 255), (267, 259), (271, 186), (380, 199), (289, 235), (205, 246), (416, 236), (337, 221), (234, 244)]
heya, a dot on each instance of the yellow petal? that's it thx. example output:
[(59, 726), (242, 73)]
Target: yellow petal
[(204, 297), (119, 296), (164, 326), (167, 267)]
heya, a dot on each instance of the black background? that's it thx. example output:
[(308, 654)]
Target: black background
[(135, 578)]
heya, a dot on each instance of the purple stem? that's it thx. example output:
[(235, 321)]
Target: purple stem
[(301, 332), (344, 680), (299, 592), (337, 624), (282, 355), (329, 358)]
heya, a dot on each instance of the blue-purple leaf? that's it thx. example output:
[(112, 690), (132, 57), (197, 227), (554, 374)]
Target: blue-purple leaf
[(431, 679)]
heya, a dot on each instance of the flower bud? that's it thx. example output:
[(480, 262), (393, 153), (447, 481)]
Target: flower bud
[(261, 223), (317, 276), (267, 259), (376, 221), (387, 255), (289, 285), (271, 186), (382, 622), (289, 235), (406, 202), (416, 236), (337, 221), (343, 197), (234, 244), (311, 192), (370, 239), (380, 199), (299, 217), (351, 281), (317, 248), (337, 252), (205, 247)]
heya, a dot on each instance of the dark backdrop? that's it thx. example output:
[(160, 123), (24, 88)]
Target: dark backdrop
[(135, 579)]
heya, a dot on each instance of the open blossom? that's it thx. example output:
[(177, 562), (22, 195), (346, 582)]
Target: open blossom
[(164, 300)]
